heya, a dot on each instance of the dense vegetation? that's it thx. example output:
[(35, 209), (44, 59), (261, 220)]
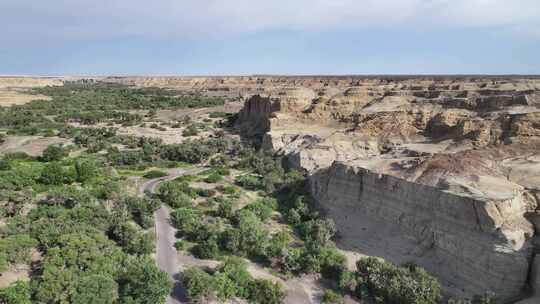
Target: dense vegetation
[(71, 215), (89, 103)]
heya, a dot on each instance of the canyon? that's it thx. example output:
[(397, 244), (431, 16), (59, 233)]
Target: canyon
[(442, 171)]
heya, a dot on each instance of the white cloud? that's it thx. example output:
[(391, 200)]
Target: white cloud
[(84, 18)]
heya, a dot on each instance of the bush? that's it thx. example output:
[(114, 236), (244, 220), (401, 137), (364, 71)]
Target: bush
[(198, 285), (487, 298), (154, 174), (16, 293), (85, 170), (249, 182), (180, 245), (191, 130), (96, 289), (16, 248), (331, 297), (278, 244), (142, 282), (208, 249), (52, 174), (235, 270), (53, 153), (213, 178), (206, 192), (266, 292), (230, 190), (188, 221), (225, 208), (17, 156), (260, 209), (5, 165), (386, 283)]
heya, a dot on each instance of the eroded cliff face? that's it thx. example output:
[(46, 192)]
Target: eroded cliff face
[(471, 245), (443, 172)]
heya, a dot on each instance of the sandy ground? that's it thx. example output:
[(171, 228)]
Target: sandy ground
[(32, 145), (16, 273), (9, 97), (19, 272)]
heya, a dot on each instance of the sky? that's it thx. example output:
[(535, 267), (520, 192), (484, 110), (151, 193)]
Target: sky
[(241, 37)]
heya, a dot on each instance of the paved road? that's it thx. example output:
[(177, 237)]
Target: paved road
[(166, 255)]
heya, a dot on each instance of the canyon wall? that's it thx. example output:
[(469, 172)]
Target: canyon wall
[(445, 173), (471, 245)]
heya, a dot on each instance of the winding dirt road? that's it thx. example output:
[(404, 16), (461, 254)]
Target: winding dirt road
[(166, 255)]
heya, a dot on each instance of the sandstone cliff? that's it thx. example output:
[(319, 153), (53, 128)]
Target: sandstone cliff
[(444, 172)]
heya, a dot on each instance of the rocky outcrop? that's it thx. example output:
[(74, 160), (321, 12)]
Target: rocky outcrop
[(442, 172), (470, 244)]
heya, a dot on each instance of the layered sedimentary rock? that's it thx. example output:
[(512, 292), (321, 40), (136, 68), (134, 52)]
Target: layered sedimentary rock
[(441, 171)]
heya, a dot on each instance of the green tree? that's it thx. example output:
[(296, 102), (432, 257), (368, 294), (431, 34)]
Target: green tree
[(85, 170), (386, 283), (16, 293), (52, 174), (198, 284), (53, 153), (96, 289), (143, 283), (266, 292)]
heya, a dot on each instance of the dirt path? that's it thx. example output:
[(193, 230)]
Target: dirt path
[(166, 255)]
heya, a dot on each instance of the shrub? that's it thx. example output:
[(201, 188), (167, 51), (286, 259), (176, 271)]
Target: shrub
[(5, 165), (198, 284), (85, 170), (487, 298), (230, 190), (217, 114), (266, 292), (225, 208), (208, 249), (206, 192), (331, 297), (52, 174), (53, 153), (187, 220), (260, 209), (16, 293), (142, 282), (180, 245), (96, 289), (17, 156), (213, 178), (347, 281), (190, 130), (17, 248), (386, 283), (235, 269), (250, 182), (178, 199), (154, 174), (332, 263)]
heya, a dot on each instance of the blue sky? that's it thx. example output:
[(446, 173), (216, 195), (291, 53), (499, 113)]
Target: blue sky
[(213, 37)]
